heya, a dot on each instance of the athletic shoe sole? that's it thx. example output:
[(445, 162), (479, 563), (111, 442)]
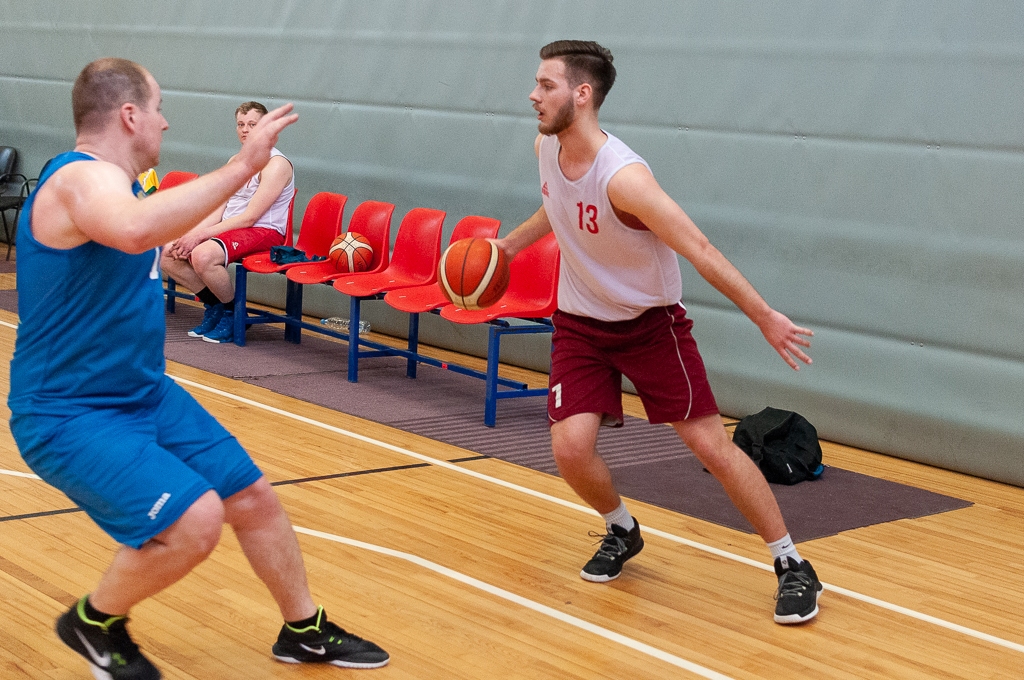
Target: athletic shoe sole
[(336, 662), (598, 578)]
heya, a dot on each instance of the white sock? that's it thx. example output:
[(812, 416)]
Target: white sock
[(784, 548), (619, 516)]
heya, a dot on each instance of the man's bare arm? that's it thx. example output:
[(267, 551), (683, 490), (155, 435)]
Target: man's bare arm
[(273, 179), (634, 190), (97, 202), (530, 231)]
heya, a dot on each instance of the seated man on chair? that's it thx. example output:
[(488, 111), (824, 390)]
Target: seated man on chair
[(252, 220)]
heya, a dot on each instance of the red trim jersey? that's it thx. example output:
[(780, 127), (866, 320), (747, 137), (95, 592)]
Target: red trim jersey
[(609, 270), (276, 216)]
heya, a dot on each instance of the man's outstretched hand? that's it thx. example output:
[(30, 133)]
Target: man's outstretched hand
[(787, 338)]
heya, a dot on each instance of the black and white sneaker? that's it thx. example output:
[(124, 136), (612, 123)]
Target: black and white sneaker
[(796, 600), (106, 645), (617, 546), (326, 642)]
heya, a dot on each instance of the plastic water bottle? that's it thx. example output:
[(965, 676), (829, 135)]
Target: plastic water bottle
[(339, 325)]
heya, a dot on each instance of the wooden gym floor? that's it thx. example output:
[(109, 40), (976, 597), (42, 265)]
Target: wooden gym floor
[(467, 567)]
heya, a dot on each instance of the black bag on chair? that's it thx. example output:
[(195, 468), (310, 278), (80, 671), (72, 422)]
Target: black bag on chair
[(783, 445)]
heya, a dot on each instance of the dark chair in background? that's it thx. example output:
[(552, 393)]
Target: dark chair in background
[(14, 190)]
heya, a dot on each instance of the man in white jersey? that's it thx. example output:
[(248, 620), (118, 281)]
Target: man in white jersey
[(619, 313), (252, 221)]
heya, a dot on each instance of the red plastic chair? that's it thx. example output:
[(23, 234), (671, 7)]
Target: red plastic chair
[(419, 299), (414, 262), (532, 295), (532, 287), (289, 237), (372, 219), (321, 224), (175, 177)]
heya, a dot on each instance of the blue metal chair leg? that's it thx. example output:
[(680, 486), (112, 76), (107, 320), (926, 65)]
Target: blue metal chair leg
[(293, 310), (172, 285), (414, 343), (353, 339), (241, 279), (491, 383)]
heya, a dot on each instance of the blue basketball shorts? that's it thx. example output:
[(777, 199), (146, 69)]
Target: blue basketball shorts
[(136, 470)]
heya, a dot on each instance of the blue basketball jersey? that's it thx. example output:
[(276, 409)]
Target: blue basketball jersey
[(91, 332)]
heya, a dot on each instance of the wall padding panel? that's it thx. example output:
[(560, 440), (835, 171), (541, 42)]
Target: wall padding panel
[(860, 162)]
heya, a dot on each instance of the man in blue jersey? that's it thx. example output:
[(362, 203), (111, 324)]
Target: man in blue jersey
[(94, 414)]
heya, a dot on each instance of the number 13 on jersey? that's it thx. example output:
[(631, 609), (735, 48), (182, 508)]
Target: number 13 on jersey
[(588, 217)]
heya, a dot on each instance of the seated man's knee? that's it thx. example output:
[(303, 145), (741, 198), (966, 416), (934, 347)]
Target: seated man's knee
[(207, 255), (169, 264)]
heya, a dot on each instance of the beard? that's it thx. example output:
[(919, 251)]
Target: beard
[(564, 117)]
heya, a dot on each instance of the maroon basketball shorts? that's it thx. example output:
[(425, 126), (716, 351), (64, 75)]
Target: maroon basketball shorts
[(655, 351), (238, 243)]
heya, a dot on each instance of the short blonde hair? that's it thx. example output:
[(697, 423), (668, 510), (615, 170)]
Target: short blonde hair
[(251, 106), (103, 86)]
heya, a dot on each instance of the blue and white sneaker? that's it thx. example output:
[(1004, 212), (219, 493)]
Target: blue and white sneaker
[(211, 317), (225, 329)]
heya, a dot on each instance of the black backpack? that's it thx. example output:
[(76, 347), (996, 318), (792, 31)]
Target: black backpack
[(782, 443)]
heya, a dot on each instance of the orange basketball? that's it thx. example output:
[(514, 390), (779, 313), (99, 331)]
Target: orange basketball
[(351, 252), (473, 273)]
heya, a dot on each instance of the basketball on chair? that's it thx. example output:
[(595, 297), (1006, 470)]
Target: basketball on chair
[(351, 252), (473, 273)]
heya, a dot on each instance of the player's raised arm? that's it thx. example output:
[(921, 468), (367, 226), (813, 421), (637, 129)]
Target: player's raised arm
[(105, 211), (634, 190)]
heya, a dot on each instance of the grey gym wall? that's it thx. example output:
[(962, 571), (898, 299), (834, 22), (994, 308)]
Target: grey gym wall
[(860, 162)]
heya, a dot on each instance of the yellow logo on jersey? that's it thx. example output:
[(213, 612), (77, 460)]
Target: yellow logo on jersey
[(149, 182)]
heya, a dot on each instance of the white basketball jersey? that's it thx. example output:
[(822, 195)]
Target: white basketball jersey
[(276, 216), (609, 271)]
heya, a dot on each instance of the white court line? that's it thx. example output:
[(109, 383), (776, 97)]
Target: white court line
[(576, 506), (15, 473), (970, 632), (529, 604)]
